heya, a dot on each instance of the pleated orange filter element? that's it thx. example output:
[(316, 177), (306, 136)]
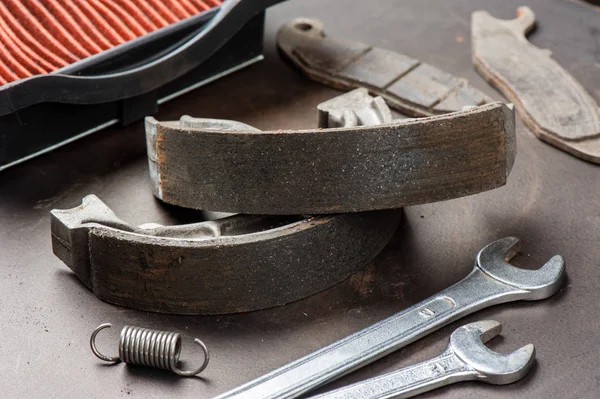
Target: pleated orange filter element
[(70, 68), (41, 36)]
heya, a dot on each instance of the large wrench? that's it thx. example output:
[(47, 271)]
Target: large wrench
[(492, 281), (465, 359)]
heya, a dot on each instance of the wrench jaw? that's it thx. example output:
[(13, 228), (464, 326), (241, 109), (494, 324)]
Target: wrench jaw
[(467, 343), (535, 284)]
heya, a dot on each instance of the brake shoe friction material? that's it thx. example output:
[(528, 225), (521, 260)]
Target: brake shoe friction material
[(334, 170), (236, 264)]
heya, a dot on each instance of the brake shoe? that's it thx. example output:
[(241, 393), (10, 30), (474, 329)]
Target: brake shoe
[(232, 167), (235, 264), (408, 85)]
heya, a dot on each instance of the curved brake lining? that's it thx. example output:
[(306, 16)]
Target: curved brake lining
[(551, 102), (197, 163), (235, 264), (408, 85)]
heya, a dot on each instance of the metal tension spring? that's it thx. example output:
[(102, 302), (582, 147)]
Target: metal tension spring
[(153, 348)]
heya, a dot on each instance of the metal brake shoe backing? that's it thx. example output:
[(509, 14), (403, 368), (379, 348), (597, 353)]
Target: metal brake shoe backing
[(235, 264)]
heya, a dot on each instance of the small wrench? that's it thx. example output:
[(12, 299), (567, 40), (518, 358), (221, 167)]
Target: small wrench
[(465, 359), (492, 281)]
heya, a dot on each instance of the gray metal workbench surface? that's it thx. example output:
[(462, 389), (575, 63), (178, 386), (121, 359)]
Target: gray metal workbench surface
[(551, 202)]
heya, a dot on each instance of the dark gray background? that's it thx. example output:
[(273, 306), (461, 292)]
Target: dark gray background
[(551, 202)]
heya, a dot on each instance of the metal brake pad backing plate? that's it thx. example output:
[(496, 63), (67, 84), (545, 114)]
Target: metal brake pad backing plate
[(235, 264), (228, 166)]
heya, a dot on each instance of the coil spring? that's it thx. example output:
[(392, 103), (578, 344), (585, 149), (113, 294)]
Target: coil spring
[(153, 348)]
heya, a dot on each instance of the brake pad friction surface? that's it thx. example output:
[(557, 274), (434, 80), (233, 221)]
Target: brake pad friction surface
[(551, 102), (410, 86)]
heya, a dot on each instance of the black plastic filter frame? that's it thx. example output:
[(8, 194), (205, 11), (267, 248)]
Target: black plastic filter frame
[(128, 82)]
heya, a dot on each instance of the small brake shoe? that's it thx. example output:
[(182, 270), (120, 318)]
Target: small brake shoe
[(408, 85), (232, 167), (551, 102), (235, 264)]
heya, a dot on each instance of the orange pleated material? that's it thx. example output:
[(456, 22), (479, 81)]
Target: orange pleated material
[(40, 36)]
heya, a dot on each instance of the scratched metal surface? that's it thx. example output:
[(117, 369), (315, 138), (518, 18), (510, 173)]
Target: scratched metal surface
[(552, 201)]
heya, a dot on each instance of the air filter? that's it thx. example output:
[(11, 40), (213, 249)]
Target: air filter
[(69, 68)]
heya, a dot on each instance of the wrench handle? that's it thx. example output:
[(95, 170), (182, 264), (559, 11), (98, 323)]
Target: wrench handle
[(407, 382), (377, 340)]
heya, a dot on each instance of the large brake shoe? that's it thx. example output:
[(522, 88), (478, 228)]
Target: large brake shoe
[(235, 264), (231, 167), (408, 85)]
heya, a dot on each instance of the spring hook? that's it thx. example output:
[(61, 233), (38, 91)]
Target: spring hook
[(154, 348)]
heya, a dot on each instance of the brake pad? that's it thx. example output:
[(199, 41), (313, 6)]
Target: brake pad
[(408, 85), (553, 105)]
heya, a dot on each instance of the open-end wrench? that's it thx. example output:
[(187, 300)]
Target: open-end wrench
[(466, 358), (492, 281)]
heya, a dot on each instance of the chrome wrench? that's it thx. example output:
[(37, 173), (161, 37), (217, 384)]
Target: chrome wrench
[(492, 281), (465, 359)]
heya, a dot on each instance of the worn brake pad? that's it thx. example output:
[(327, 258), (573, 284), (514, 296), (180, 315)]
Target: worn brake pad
[(408, 85), (235, 264), (553, 105)]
